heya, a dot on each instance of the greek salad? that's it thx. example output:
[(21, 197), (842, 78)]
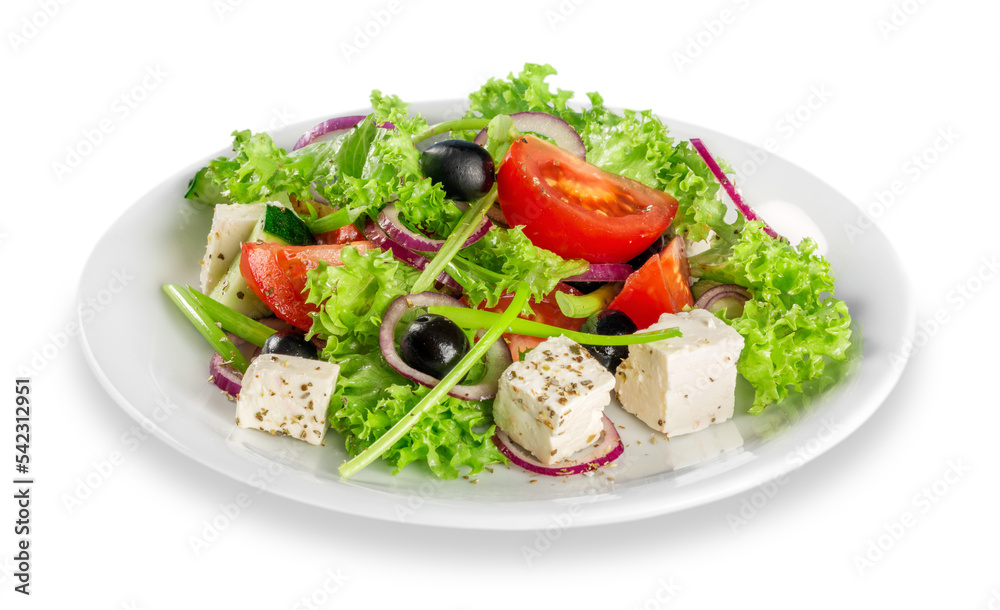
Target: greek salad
[(474, 292)]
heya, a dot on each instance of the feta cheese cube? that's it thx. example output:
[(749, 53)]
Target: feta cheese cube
[(552, 402), (686, 383), (287, 395)]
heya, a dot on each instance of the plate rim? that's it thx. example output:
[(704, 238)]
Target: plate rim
[(442, 512)]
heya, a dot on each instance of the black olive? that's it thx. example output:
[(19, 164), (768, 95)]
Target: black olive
[(433, 344), (289, 343), (586, 287), (609, 322), (654, 248), (464, 169)]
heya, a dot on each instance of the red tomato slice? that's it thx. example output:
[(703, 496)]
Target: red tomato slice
[(660, 286), (546, 312), (343, 235), (277, 274), (576, 209)]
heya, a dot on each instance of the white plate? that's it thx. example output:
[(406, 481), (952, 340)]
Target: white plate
[(154, 364)]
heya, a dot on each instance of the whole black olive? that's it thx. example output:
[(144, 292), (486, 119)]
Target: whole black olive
[(609, 322), (464, 169), (289, 343), (433, 344)]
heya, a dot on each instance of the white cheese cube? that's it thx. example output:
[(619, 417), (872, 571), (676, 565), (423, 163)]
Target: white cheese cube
[(232, 225), (552, 402), (287, 395), (686, 383)]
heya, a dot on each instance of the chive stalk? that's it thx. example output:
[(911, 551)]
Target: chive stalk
[(205, 325), (453, 243), (244, 327), (390, 438), (468, 319), (455, 125)]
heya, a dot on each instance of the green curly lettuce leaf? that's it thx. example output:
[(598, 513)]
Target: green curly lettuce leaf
[(503, 257), (453, 438), (362, 171), (793, 323)]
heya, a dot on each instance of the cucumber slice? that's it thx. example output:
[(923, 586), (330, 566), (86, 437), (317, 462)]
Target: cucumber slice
[(283, 226), (203, 188)]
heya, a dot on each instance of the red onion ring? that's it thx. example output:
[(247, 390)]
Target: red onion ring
[(497, 357), (389, 222), (607, 450), (547, 125), (723, 179), (722, 291), (332, 127), (380, 239), (603, 272), (224, 376)]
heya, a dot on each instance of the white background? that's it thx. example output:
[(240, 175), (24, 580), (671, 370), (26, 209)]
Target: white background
[(881, 94)]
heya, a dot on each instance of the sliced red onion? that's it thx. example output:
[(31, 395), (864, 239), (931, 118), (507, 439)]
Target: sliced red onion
[(332, 128), (224, 376), (411, 258), (723, 179), (389, 222), (606, 450), (715, 294), (497, 356), (547, 125), (606, 272)]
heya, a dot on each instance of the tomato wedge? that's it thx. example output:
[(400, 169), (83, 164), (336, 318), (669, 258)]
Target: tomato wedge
[(576, 209), (660, 286), (547, 312), (343, 235), (277, 274)]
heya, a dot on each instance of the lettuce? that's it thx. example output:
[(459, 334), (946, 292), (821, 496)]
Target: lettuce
[(453, 438), (503, 257), (361, 171), (793, 323)]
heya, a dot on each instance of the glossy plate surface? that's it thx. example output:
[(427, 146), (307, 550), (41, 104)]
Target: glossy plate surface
[(158, 374)]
